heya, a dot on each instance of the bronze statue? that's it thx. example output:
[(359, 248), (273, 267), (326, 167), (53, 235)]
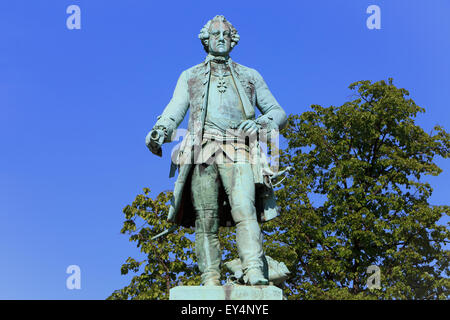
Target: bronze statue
[(223, 178)]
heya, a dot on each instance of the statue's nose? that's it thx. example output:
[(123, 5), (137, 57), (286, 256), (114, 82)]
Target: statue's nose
[(221, 37)]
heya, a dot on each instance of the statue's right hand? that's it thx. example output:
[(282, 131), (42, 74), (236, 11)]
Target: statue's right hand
[(148, 139), (154, 140)]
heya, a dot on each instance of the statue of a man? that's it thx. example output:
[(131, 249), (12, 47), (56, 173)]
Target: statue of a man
[(218, 183)]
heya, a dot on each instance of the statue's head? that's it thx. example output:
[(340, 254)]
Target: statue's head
[(218, 36)]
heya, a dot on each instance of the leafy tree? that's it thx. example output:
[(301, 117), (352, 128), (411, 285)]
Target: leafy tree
[(169, 259), (355, 198)]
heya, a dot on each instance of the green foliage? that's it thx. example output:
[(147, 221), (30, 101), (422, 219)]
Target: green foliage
[(355, 198), (169, 259)]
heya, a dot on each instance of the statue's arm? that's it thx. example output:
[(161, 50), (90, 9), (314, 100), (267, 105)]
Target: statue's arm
[(273, 116), (175, 111)]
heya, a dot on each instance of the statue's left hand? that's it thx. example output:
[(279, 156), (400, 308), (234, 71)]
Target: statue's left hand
[(248, 126)]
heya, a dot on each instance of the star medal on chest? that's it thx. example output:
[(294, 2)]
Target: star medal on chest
[(221, 83)]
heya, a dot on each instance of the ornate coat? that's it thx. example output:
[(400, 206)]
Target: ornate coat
[(191, 92)]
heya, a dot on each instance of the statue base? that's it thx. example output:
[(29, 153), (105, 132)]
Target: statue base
[(226, 292)]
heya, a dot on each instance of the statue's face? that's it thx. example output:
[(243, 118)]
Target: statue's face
[(219, 39)]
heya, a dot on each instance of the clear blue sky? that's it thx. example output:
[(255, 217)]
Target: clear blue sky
[(76, 106)]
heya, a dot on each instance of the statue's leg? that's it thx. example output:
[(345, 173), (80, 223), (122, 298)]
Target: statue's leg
[(205, 192), (237, 179)]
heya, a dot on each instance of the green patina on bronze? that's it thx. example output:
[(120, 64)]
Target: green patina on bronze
[(217, 185)]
